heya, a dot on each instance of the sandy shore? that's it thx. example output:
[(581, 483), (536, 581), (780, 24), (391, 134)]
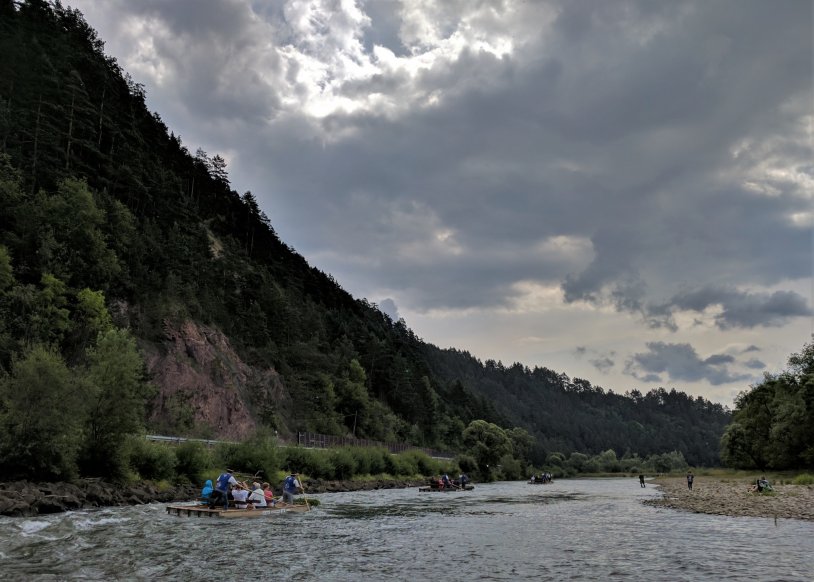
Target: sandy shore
[(722, 496)]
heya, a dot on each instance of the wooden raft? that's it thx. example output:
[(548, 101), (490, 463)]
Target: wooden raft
[(445, 489), (204, 511)]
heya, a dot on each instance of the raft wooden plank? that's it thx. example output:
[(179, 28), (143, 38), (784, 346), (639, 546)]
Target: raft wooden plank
[(203, 511)]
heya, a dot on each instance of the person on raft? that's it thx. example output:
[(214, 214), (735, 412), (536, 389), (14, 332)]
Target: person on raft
[(221, 492), (290, 487)]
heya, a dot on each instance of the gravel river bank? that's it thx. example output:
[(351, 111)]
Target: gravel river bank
[(732, 496)]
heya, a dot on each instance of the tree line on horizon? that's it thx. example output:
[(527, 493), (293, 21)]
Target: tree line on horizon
[(109, 227)]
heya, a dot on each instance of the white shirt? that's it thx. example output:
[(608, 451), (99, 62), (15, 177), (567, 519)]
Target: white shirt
[(258, 498), (240, 496)]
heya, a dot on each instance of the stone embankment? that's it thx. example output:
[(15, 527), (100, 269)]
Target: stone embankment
[(26, 499), (733, 497)]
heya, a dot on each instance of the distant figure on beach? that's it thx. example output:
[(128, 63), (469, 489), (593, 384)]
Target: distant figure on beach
[(690, 479), (761, 485), (641, 480)]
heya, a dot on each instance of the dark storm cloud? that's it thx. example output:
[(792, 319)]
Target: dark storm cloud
[(754, 364), (209, 61), (680, 362), (602, 364), (622, 146), (739, 309), (616, 135), (650, 157)]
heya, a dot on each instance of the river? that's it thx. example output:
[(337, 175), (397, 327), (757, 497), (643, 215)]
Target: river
[(584, 529)]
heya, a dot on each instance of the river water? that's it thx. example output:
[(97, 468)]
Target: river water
[(586, 529)]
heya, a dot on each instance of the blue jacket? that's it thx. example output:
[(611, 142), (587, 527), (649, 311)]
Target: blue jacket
[(223, 482), (207, 490), (288, 485)]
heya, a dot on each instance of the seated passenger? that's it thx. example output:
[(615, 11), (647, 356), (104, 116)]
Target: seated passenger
[(240, 495), (256, 496), (206, 492), (268, 494)]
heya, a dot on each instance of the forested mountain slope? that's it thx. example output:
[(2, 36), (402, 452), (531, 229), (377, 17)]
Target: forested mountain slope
[(567, 415), (106, 219)]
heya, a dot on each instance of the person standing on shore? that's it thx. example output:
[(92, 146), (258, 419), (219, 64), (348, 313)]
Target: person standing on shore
[(641, 481), (690, 479)]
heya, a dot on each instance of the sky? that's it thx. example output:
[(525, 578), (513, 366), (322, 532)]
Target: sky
[(617, 190)]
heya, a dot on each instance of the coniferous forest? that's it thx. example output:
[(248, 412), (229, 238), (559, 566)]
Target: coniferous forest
[(111, 229)]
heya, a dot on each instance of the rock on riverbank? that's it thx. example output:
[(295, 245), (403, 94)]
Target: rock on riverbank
[(721, 496), (25, 499)]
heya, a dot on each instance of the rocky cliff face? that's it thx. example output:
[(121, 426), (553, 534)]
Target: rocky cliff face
[(204, 388)]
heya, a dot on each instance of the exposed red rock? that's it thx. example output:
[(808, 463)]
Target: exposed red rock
[(203, 383)]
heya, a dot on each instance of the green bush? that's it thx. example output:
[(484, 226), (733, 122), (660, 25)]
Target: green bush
[(378, 460), (153, 461), (399, 465), (343, 463), (256, 456), (41, 414), (591, 466), (314, 463), (511, 468), (194, 460), (425, 465), (565, 472), (804, 479), (466, 463), (361, 459), (577, 461), (556, 459)]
